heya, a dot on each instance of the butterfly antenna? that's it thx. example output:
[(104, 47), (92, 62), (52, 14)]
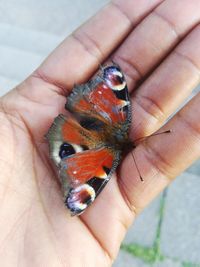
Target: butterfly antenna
[(141, 138), (154, 134), (137, 167)]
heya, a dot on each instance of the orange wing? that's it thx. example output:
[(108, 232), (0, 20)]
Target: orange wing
[(102, 97), (80, 147), (66, 136), (100, 103), (85, 163), (85, 174), (81, 167)]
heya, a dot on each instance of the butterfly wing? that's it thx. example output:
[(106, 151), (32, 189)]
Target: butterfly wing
[(66, 137), (80, 147), (88, 173), (104, 98), (85, 164)]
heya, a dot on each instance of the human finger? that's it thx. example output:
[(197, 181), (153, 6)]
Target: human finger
[(166, 89), (161, 158), (155, 37), (80, 54)]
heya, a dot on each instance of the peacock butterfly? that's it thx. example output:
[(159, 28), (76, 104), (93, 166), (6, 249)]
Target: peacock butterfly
[(88, 145)]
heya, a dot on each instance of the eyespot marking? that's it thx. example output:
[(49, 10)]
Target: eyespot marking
[(67, 150), (114, 78), (79, 198)]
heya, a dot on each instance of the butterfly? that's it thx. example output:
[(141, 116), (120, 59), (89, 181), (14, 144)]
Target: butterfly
[(88, 144)]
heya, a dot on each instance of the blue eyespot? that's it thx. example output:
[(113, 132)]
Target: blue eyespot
[(66, 150), (114, 77), (111, 70)]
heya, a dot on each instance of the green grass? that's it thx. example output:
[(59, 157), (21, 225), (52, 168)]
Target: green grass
[(149, 254), (188, 264), (153, 254)]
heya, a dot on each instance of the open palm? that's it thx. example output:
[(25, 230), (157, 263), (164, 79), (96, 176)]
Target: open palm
[(156, 43)]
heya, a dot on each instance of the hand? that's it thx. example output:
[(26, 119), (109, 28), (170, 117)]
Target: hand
[(156, 43)]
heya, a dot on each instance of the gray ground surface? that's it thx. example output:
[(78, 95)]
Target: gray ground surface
[(167, 233)]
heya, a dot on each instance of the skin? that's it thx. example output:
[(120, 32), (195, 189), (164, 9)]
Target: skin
[(156, 43)]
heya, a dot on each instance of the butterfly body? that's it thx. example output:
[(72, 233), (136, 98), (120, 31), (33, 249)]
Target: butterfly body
[(88, 145)]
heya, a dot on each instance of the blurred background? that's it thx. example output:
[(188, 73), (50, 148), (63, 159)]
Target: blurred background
[(167, 233)]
